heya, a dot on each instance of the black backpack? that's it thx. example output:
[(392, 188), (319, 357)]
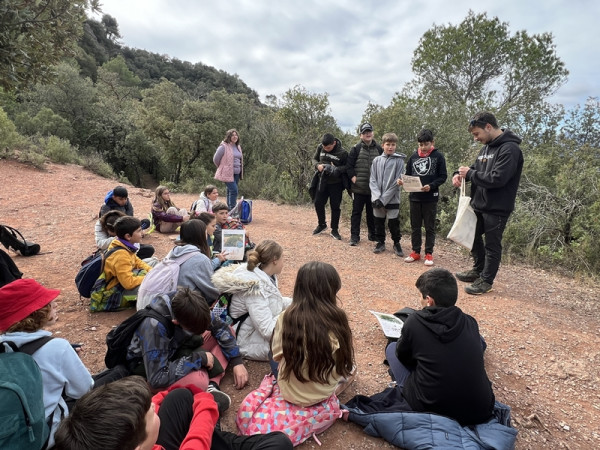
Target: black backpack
[(9, 271), (21, 400), (119, 339), (12, 238)]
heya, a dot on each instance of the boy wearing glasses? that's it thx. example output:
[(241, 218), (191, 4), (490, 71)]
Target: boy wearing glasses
[(494, 178)]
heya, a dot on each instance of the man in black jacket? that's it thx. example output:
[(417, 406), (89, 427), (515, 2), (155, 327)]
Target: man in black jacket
[(330, 163), (360, 160), (438, 360), (494, 178)]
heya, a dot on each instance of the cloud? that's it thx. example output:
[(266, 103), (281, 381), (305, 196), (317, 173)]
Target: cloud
[(356, 51)]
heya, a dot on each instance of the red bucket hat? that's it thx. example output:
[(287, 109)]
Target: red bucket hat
[(20, 298)]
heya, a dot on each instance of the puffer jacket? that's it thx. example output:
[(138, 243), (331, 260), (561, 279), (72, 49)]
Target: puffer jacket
[(256, 293), (414, 430), (360, 160)]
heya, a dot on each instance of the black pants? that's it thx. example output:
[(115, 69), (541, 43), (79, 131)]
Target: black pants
[(422, 214), (333, 193), (487, 256), (360, 202), (176, 412), (145, 251)]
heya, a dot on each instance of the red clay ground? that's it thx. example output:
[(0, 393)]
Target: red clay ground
[(542, 329)]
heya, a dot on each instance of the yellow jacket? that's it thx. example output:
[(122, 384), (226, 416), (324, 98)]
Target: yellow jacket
[(119, 266)]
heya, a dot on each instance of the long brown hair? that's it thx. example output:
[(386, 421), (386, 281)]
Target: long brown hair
[(194, 232), (308, 323), (228, 135), (161, 201)]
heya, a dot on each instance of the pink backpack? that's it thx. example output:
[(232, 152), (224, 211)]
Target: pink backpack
[(264, 410)]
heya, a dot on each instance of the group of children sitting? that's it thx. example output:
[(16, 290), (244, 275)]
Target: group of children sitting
[(181, 358)]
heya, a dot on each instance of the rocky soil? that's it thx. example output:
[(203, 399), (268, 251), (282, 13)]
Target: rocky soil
[(542, 329)]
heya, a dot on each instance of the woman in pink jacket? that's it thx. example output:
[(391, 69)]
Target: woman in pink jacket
[(230, 165)]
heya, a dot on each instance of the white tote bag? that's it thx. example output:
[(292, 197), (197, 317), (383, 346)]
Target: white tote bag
[(463, 230)]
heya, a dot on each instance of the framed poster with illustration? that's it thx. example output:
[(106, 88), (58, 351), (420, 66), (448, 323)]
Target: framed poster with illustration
[(233, 244)]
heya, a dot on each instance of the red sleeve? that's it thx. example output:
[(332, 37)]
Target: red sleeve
[(203, 423), (158, 399)]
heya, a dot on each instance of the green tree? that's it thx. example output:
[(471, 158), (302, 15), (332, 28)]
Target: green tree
[(36, 35), (480, 65), (303, 117), (158, 117)]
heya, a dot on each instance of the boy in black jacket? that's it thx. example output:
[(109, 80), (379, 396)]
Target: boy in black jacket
[(330, 162), (429, 165), (438, 360)]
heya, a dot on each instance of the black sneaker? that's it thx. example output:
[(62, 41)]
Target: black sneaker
[(468, 276), (222, 400), (319, 229), (334, 234), (398, 250), (380, 247), (353, 242), (372, 237), (478, 287)]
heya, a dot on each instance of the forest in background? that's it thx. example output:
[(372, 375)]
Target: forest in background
[(72, 92)]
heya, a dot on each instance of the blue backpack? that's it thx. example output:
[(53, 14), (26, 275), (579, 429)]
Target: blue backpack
[(22, 414), (246, 211), (91, 269)]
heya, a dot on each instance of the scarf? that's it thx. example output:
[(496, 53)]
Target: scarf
[(425, 154)]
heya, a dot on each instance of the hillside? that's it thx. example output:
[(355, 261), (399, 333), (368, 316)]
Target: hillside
[(542, 330)]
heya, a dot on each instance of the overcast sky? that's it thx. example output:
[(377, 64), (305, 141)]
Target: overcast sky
[(355, 51)]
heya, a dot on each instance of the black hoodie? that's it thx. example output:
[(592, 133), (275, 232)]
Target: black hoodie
[(443, 349), (495, 175)]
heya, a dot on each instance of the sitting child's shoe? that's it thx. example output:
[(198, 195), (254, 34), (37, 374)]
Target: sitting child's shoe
[(222, 400)]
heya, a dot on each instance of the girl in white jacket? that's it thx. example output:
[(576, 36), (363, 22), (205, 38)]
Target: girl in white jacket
[(255, 291)]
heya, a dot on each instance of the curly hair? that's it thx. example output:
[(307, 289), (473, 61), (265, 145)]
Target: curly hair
[(34, 321), (311, 321)]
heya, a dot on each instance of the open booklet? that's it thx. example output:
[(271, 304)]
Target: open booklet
[(411, 184), (390, 324), (233, 244)]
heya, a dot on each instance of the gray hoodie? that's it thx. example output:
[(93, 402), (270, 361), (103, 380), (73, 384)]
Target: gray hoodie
[(196, 272)]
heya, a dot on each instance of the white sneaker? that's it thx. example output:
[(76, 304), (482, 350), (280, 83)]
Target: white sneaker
[(428, 259)]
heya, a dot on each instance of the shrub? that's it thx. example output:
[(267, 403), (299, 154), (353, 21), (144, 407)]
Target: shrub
[(95, 164), (58, 150)]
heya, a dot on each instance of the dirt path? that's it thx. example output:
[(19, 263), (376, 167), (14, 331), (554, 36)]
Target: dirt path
[(542, 330)]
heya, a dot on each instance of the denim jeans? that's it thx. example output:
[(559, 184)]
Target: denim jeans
[(232, 191)]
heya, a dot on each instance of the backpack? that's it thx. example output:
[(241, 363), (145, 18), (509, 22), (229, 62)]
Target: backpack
[(118, 339), (246, 211), (91, 269), (12, 238), (162, 279), (220, 309), (9, 271), (24, 425), (265, 409)]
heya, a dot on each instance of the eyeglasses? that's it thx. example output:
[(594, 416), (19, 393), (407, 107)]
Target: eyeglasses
[(476, 123)]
